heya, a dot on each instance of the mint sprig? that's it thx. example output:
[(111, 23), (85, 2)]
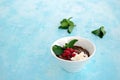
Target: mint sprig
[(70, 44), (99, 32), (58, 50), (67, 24)]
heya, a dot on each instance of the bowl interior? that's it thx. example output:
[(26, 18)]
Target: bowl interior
[(84, 43)]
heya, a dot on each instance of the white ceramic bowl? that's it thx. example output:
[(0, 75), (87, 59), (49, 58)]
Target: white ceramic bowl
[(74, 66)]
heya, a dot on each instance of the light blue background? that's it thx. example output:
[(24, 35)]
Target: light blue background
[(29, 27)]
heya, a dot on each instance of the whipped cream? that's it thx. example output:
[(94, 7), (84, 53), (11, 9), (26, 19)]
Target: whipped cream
[(80, 56)]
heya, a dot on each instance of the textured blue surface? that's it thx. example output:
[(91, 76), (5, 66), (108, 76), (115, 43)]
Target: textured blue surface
[(29, 27)]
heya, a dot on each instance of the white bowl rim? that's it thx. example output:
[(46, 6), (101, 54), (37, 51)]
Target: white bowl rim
[(76, 60)]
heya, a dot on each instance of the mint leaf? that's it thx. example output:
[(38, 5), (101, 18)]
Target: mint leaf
[(99, 32), (72, 42), (67, 24), (71, 23), (96, 32), (64, 24), (103, 30), (58, 50), (70, 29)]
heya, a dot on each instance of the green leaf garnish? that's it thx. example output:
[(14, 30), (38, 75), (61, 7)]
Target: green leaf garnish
[(58, 50), (70, 29), (64, 24), (67, 24), (99, 32), (70, 44)]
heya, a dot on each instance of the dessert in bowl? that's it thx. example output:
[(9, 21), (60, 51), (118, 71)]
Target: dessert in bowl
[(72, 52)]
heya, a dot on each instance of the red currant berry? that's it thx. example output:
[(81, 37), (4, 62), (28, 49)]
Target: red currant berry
[(64, 54), (73, 55), (71, 50), (67, 52)]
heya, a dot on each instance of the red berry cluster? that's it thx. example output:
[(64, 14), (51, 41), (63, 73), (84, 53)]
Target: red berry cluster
[(68, 53)]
